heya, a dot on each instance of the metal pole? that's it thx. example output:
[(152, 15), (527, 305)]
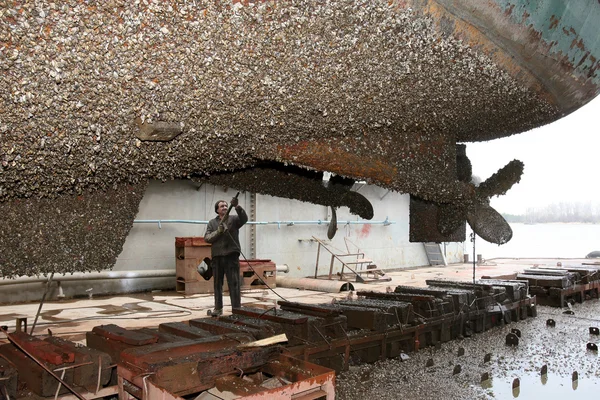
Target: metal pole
[(48, 283), (474, 260)]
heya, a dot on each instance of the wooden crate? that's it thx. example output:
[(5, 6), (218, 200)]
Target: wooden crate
[(265, 269), (191, 251)]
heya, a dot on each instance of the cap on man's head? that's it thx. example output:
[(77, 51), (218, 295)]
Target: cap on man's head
[(217, 205)]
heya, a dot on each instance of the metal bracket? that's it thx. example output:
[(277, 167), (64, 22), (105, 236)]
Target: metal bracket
[(21, 324)]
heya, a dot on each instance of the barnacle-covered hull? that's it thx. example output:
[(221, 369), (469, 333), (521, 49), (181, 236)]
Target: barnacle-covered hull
[(377, 91)]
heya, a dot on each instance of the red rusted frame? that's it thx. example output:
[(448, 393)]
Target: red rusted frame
[(40, 349), (311, 380), (191, 369), (41, 364)]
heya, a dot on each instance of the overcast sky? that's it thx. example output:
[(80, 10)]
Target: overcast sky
[(562, 162)]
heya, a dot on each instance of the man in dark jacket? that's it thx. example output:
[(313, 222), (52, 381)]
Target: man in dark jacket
[(223, 233)]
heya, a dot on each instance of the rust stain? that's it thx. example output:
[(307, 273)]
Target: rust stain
[(554, 22), (325, 157), (365, 231), (578, 43)]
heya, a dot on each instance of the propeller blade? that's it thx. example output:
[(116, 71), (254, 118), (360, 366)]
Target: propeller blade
[(358, 204), (332, 229), (450, 217), (489, 224), (501, 181)]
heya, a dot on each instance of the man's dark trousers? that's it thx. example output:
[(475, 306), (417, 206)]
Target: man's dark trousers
[(228, 266)]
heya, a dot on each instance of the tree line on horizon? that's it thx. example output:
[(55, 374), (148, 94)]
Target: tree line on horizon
[(558, 212)]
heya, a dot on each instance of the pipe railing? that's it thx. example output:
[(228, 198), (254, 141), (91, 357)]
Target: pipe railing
[(103, 275), (86, 276), (385, 222)]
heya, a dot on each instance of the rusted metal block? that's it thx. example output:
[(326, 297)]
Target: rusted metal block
[(41, 350), (8, 379), (166, 351), (181, 357), (219, 327), (233, 361), (446, 283), (282, 317), (535, 290), (395, 296), (396, 312), (461, 299), (547, 271), (191, 368), (112, 339), (299, 327), (91, 362), (163, 337), (424, 305), (309, 309), (325, 322), (272, 328), (545, 280), (363, 317), (111, 347), (421, 291), (184, 330), (119, 334), (483, 294), (515, 291), (38, 380)]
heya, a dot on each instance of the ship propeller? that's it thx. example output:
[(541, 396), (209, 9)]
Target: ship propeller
[(476, 210)]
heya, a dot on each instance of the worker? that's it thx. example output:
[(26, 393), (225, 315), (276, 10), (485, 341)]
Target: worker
[(223, 233)]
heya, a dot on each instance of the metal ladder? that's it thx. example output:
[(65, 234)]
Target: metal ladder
[(435, 254), (360, 269)]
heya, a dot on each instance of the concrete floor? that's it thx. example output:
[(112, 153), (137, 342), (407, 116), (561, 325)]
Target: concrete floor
[(72, 318)]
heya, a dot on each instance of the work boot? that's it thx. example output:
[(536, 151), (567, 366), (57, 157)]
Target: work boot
[(216, 313)]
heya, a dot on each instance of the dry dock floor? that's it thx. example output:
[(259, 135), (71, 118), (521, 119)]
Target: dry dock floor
[(73, 317), (562, 349)]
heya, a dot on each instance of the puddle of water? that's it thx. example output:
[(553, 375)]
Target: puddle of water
[(547, 387)]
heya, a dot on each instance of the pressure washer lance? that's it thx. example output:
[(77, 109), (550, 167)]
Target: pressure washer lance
[(202, 271)]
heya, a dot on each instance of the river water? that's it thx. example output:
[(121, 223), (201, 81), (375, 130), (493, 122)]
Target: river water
[(554, 240)]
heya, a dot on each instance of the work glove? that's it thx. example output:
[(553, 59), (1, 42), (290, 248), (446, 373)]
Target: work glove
[(221, 228), (234, 202)]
